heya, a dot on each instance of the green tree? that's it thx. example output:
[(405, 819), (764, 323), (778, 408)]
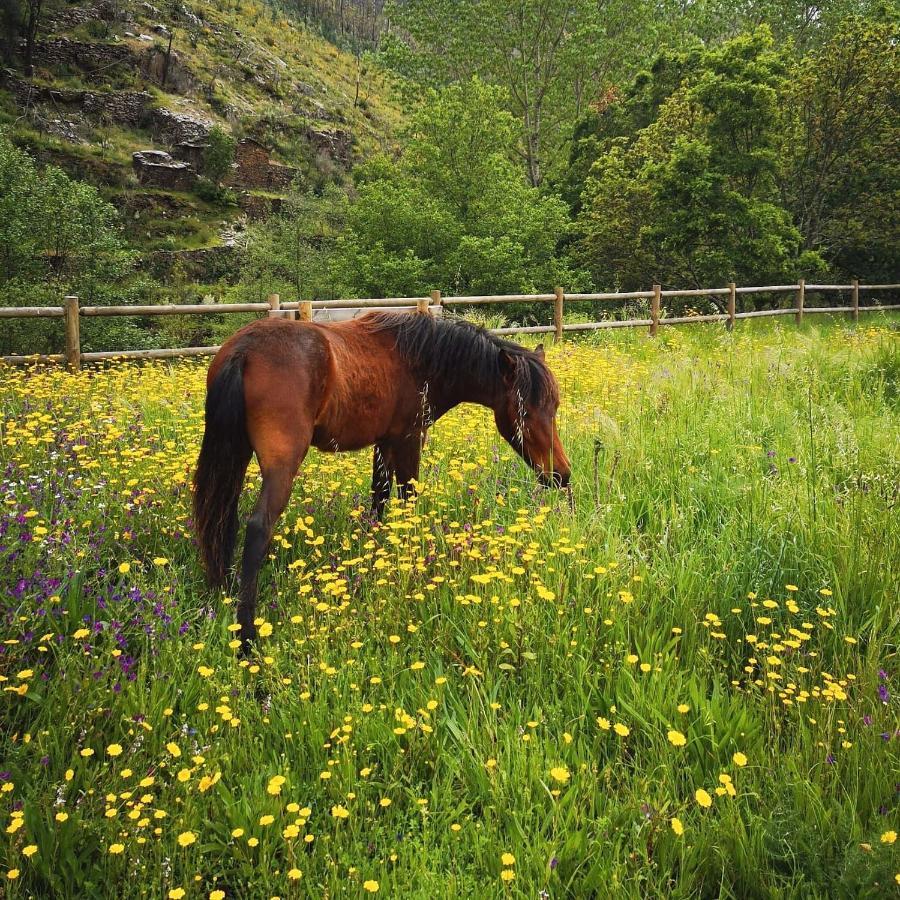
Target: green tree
[(293, 253), (57, 237), (219, 154), (550, 56), (454, 211), (839, 165), (691, 199)]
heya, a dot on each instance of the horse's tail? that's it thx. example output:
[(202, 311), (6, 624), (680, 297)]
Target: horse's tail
[(224, 457)]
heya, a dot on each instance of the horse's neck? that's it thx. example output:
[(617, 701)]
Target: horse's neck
[(445, 394)]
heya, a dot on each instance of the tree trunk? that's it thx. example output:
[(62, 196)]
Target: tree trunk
[(32, 21)]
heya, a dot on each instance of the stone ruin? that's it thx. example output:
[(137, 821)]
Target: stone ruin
[(253, 168), (156, 168)]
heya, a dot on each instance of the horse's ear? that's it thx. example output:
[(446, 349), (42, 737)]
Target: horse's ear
[(507, 368), (539, 350)]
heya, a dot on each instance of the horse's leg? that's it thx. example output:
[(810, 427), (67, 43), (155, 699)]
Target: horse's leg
[(406, 465), (273, 498), (382, 478)]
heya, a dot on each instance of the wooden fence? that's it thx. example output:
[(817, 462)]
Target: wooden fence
[(71, 312)]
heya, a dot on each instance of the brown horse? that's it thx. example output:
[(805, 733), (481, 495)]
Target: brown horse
[(277, 387)]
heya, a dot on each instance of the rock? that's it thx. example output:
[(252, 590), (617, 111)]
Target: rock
[(122, 107), (87, 57), (336, 145), (156, 168)]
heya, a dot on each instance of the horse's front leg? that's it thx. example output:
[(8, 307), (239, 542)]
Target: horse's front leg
[(382, 478), (407, 456)]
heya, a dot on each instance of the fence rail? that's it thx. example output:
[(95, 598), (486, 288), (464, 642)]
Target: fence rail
[(71, 312)]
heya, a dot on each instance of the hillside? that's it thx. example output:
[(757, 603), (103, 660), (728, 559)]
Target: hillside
[(118, 78)]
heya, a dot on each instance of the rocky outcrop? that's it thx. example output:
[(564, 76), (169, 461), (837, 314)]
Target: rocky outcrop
[(168, 70), (336, 145), (154, 168)]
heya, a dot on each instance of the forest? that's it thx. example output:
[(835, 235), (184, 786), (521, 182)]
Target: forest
[(593, 145)]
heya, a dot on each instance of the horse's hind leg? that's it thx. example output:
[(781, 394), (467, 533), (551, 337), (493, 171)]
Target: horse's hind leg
[(278, 477)]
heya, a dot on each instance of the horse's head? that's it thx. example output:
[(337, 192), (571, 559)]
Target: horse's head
[(525, 414)]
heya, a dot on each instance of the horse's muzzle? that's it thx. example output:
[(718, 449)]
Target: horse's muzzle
[(558, 480)]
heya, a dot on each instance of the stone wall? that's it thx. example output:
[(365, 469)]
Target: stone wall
[(256, 207), (154, 168), (173, 128), (87, 57), (251, 165), (280, 177), (125, 107), (254, 170)]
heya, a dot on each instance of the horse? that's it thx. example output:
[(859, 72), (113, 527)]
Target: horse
[(277, 387)]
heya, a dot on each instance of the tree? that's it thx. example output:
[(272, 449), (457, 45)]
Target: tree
[(293, 253), (691, 199), (219, 154), (454, 211), (551, 57), (57, 236), (839, 167)]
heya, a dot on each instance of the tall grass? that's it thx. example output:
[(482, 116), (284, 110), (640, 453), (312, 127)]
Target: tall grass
[(542, 696)]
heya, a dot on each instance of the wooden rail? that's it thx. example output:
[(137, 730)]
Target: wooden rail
[(71, 312)]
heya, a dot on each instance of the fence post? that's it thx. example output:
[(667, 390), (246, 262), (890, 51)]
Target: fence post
[(801, 299), (305, 311), (558, 314), (855, 313), (422, 305), (274, 306), (73, 334), (731, 305), (654, 309), (436, 301)]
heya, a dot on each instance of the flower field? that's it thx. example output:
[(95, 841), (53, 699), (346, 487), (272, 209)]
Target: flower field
[(687, 687)]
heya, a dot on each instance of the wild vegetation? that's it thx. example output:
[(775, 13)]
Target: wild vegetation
[(596, 146), (687, 687)]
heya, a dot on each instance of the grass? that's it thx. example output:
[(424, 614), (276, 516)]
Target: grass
[(488, 696)]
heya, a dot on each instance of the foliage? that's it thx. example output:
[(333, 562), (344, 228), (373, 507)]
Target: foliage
[(489, 695), (293, 253), (454, 211), (218, 154), (692, 198), (839, 169), (548, 55), (57, 237)]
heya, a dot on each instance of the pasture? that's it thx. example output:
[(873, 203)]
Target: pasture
[(687, 687)]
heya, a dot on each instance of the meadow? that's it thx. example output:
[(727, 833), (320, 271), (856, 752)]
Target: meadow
[(687, 687)]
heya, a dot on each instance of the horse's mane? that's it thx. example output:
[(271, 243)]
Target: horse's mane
[(450, 349)]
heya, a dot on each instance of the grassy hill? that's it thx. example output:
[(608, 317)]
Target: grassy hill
[(112, 79)]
